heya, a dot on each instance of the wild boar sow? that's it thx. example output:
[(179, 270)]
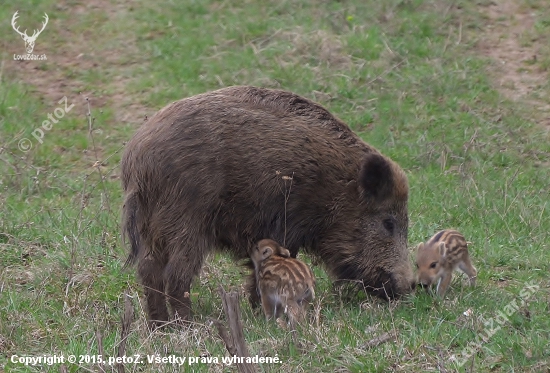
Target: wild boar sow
[(224, 169)]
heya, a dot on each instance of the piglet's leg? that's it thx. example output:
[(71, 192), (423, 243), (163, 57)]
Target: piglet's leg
[(467, 267), (443, 283)]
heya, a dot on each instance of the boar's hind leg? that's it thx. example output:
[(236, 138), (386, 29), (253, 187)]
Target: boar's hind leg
[(178, 276), (150, 271)]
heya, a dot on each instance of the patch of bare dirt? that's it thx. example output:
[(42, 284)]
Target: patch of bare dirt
[(506, 40), (75, 53)]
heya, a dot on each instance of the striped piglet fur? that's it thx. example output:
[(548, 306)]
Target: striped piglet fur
[(436, 260), (285, 284)]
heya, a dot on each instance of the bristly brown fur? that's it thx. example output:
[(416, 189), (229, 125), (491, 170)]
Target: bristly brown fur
[(207, 173)]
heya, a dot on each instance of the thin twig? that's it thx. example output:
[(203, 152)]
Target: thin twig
[(287, 196), (127, 319), (224, 334), (382, 338), (441, 362), (1, 70), (100, 349), (97, 163), (387, 71)]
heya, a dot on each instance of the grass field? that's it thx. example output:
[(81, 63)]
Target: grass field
[(410, 76)]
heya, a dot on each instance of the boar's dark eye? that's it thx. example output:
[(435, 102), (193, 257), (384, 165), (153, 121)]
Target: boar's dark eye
[(433, 265), (389, 225)]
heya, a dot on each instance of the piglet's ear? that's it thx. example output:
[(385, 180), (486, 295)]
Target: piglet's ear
[(375, 176), (442, 249), (266, 251), (420, 246), (284, 252)]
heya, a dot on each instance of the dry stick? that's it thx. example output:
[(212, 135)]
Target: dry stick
[(71, 268), (78, 223), (127, 319), (472, 364), (226, 337), (382, 338), (385, 72), (81, 230), (100, 349), (441, 362), (99, 182), (234, 342), (97, 163), (466, 149), (287, 196)]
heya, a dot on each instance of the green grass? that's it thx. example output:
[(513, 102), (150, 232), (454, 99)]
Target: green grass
[(393, 70)]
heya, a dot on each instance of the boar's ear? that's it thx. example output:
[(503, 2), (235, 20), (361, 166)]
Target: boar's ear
[(420, 246), (376, 177)]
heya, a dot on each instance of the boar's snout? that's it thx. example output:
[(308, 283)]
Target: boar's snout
[(397, 283)]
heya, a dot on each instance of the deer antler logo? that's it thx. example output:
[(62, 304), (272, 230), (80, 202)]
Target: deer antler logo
[(29, 40)]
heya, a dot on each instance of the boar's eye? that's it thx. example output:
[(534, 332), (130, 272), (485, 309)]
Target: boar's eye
[(433, 265), (389, 225)]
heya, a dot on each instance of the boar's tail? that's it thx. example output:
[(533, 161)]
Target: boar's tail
[(130, 231)]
